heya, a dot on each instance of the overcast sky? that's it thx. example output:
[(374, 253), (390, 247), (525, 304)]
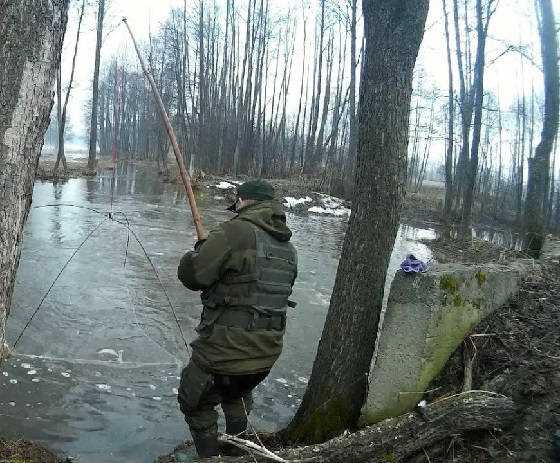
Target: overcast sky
[(513, 23)]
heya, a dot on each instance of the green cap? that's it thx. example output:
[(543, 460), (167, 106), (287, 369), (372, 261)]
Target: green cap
[(258, 190)]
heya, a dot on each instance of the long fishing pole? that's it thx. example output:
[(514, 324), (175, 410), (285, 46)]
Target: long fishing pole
[(171, 134)]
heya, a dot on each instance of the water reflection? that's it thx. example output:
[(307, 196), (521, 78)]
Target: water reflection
[(497, 236)]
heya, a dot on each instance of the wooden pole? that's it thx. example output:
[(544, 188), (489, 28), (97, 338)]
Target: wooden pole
[(178, 156)]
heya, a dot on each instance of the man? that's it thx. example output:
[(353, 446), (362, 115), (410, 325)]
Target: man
[(245, 269)]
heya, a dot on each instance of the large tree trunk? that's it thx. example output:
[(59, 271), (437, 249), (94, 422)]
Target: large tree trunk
[(539, 164), (93, 122), (30, 41), (336, 391)]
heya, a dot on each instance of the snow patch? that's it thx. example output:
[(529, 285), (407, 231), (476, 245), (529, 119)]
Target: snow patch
[(331, 206), (224, 186), (327, 211), (291, 202)]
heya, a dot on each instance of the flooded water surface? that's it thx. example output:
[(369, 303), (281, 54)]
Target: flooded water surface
[(96, 371)]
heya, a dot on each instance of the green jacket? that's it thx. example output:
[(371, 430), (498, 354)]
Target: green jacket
[(231, 249)]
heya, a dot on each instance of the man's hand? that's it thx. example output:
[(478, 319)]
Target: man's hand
[(198, 244)]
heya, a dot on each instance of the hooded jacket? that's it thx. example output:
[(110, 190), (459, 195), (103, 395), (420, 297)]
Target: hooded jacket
[(231, 249)]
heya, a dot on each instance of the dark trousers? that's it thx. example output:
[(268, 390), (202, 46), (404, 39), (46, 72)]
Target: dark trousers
[(200, 392)]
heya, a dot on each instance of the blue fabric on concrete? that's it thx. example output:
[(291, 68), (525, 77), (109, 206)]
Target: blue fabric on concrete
[(413, 265)]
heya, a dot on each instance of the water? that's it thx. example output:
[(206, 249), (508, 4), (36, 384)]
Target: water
[(66, 386)]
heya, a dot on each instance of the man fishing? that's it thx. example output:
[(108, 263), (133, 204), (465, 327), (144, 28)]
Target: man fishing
[(245, 269)]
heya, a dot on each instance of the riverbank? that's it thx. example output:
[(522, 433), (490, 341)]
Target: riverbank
[(299, 195), (515, 352), (23, 451), (75, 168)]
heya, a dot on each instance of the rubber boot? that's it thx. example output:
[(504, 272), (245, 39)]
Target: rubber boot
[(234, 428), (206, 444)]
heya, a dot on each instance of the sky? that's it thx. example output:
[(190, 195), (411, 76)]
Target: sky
[(514, 22)]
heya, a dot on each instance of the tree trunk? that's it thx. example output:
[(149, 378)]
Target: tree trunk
[(472, 165), (465, 106), (93, 122), (449, 152), (35, 30), (296, 128), (351, 161), (62, 116), (309, 166), (539, 164), (337, 387)]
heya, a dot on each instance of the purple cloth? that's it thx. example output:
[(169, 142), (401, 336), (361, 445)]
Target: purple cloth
[(413, 265)]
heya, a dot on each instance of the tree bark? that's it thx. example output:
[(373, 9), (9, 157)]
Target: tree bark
[(539, 164), (337, 387), (35, 30), (93, 122)]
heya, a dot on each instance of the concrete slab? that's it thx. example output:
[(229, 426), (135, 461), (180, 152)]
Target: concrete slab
[(428, 316)]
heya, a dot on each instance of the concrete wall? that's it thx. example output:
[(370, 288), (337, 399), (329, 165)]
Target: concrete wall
[(428, 316)]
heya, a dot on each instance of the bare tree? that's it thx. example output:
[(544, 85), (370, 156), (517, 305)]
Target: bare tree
[(537, 184), (338, 382), (450, 139), (351, 164), (478, 87), (95, 86), (61, 110)]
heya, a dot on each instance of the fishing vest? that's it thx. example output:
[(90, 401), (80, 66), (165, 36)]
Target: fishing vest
[(266, 290)]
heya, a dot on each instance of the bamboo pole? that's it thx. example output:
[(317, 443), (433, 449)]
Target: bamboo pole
[(178, 156)]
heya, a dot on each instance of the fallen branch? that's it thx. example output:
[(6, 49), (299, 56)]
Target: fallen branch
[(395, 438)]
